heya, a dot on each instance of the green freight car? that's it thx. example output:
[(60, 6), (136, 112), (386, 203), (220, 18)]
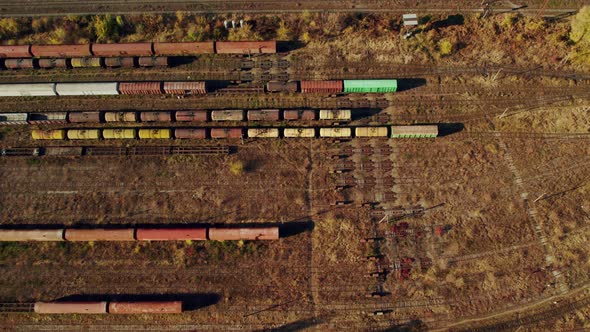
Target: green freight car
[(430, 131), (370, 86)]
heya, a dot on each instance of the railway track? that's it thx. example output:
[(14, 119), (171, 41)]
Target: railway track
[(60, 7), (203, 150)]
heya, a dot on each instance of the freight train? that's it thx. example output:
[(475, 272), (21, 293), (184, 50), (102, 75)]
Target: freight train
[(428, 131), (97, 62), (109, 307), (188, 88), (203, 233), (137, 49), (173, 116)]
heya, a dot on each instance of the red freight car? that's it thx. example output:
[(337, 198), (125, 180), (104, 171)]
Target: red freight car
[(61, 51), (156, 116), (153, 61), (125, 62), (19, 63), (321, 86), (84, 117), (15, 51), (168, 234), (53, 63), (191, 116), (246, 47), (191, 133), (281, 87), (263, 115), (184, 48), (299, 115), (184, 88), (128, 49), (140, 88), (227, 132)]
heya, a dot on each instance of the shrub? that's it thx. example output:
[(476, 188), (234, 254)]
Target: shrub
[(445, 47), (580, 33), (236, 167), (105, 28)]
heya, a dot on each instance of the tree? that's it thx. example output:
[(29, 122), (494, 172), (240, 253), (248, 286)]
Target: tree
[(580, 33), (105, 28), (283, 33)]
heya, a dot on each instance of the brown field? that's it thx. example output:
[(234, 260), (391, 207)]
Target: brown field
[(482, 229)]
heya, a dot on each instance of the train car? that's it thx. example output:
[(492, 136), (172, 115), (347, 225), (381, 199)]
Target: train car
[(79, 134), (127, 234), (171, 234), (124, 62), (86, 89), (155, 133), (153, 61), (299, 132), (184, 88), (53, 63), (344, 115), (118, 134), (227, 115), (370, 132), (32, 235), (263, 132), (120, 116), (263, 115), (144, 307), (86, 62), (123, 49), (369, 86), (282, 87), (15, 51), (184, 49), (429, 131), (140, 88), (245, 47), (156, 116), (48, 118), (243, 233), (227, 132), (306, 115), (27, 89), (190, 133), (61, 51), (19, 63), (13, 119), (321, 86), (84, 117), (71, 307), (335, 132), (191, 116), (57, 134)]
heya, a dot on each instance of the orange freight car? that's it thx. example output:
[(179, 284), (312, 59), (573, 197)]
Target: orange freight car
[(15, 51), (61, 51), (127, 49), (246, 47), (184, 48)]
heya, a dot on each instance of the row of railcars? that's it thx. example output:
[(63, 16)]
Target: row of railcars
[(109, 307), (335, 86), (181, 88), (173, 116), (93, 62), (427, 131), (137, 49), (102, 89), (203, 233)]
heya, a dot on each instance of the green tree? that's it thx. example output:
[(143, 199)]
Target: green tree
[(283, 33), (105, 28)]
